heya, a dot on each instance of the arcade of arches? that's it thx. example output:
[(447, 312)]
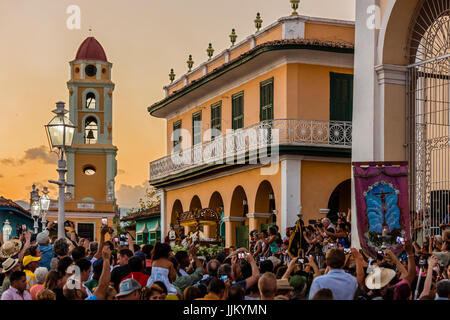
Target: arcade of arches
[(247, 201)]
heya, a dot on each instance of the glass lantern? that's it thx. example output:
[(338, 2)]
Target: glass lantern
[(7, 229), (60, 128)]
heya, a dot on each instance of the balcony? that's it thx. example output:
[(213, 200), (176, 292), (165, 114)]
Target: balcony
[(234, 146)]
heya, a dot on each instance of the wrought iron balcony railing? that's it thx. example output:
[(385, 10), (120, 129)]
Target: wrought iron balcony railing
[(232, 145)]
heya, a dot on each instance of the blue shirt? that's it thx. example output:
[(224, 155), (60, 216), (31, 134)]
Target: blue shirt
[(47, 256), (446, 218), (342, 284)]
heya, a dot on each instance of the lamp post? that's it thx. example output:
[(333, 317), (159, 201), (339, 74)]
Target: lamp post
[(60, 131), (45, 205), (6, 230), (36, 214)]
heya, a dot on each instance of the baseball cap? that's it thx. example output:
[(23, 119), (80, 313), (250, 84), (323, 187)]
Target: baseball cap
[(29, 259), (128, 286)]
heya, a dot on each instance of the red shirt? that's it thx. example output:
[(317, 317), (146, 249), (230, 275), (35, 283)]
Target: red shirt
[(140, 277)]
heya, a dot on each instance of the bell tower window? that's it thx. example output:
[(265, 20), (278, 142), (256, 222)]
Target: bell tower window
[(90, 130), (91, 103)]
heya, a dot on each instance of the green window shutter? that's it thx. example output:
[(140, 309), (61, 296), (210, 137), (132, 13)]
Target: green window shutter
[(237, 110), (242, 236), (177, 136), (216, 117), (341, 97), (266, 100), (197, 128)]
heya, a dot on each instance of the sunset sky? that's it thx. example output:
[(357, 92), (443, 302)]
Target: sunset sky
[(143, 39)]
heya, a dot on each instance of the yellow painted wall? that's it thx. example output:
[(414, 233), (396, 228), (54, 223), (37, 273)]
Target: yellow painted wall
[(216, 64), (90, 186), (308, 91), (272, 35), (104, 75), (331, 33), (249, 180), (251, 105), (177, 87), (195, 75), (99, 207), (237, 51), (80, 97), (77, 71), (319, 179), (98, 225)]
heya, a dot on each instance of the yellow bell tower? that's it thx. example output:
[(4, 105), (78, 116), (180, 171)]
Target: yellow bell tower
[(91, 160)]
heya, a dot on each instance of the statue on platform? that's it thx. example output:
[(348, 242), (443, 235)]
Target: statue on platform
[(172, 236)]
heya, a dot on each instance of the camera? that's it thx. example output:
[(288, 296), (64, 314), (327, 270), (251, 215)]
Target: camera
[(401, 240), (223, 278), (422, 262), (68, 223), (300, 261)]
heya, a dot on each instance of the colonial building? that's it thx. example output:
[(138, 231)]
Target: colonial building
[(91, 160), (16, 216), (402, 98), (148, 225), (293, 78)]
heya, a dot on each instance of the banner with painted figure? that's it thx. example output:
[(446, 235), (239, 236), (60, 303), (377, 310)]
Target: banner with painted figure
[(381, 193)]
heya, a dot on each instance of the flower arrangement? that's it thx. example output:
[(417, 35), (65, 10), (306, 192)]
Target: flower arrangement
[(205, 251)]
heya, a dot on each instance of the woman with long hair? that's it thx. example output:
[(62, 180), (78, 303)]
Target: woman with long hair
[(162, 269)]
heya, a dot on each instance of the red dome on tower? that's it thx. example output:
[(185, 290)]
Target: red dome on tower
[(91, 49)]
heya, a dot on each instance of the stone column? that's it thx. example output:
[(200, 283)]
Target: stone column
[(290, 193), (256, 220), (163, 224)]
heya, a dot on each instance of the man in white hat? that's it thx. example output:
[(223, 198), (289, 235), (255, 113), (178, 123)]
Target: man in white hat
[(378, 281), (9, 266)]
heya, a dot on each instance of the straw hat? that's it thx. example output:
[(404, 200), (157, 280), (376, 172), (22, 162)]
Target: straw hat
[(10, 248), (9, 264), (283, 284), (379, 278)]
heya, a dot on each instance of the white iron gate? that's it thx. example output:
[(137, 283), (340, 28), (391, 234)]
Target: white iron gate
[(429, 144)]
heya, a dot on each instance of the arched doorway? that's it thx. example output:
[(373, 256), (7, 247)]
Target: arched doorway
[(177, 209), (216, 204), (429, 115), (238, 220), (340, 200), (195, 204), (265, 204)]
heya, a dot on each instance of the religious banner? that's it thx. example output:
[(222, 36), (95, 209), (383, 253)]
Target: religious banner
[(295, 243), (382, 205)]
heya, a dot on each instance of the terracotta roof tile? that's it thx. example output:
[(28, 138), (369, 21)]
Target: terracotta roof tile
[(11, 204), (153, 211), (305, 42)]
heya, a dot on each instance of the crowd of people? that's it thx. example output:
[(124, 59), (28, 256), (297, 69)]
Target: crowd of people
[(327, 268)]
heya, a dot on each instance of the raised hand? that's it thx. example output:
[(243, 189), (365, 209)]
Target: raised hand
[(106, 253)]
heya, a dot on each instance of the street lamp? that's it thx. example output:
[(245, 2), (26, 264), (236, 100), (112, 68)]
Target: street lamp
[(45, 205), (6, 231), (60, 131), (36, 214)]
